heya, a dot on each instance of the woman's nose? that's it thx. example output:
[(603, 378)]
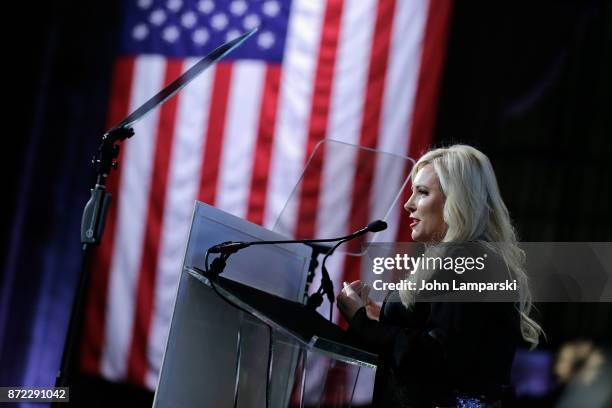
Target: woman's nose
[(409, 206)]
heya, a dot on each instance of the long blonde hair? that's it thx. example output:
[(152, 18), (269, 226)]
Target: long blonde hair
[(474, 210)]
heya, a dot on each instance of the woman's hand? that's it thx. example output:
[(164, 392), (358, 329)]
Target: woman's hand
[(353, 297), (372, 310), (349, 299)]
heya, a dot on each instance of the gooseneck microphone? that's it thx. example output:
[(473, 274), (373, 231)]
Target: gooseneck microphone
[(230, 247), (225, 249)]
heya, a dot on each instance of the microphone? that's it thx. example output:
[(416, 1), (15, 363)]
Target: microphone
[(327, 287), (376, 226), (230, 247)]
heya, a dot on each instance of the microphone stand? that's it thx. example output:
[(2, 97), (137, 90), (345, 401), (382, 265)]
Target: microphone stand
[(92, 226), (94, 214)]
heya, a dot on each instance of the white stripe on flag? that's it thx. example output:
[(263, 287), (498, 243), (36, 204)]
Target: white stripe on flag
[(241, 126), (182, 191), (131, 221), (398, 105), (297, 79)]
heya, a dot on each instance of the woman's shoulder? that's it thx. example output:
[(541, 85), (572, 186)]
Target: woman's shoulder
[(482, 257), (479, 247)]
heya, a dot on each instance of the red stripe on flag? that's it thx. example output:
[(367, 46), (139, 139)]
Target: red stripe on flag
[(215, 132), (319, 112), (426, 101), (263, 147), (379, 59), (138, 363), (92, 340)]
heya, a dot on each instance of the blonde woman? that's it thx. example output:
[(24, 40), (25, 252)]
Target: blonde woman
[(454, 353)]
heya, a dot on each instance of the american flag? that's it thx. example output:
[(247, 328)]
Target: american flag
[(364, 72)]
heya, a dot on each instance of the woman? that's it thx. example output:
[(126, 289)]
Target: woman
[(447, 354)]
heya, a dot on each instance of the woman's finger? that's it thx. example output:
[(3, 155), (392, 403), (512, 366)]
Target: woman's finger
[(365, 293), (350, 291), (356, 285)]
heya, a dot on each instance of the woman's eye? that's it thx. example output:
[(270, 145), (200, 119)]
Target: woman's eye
[(423, 192)]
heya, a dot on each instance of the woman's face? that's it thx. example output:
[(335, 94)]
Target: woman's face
[(426, 205)]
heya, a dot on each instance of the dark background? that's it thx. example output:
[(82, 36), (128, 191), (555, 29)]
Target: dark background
[(526, 82), (530, 86)]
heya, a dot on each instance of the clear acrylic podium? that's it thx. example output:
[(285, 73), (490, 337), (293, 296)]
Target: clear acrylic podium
[(220, 356)]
